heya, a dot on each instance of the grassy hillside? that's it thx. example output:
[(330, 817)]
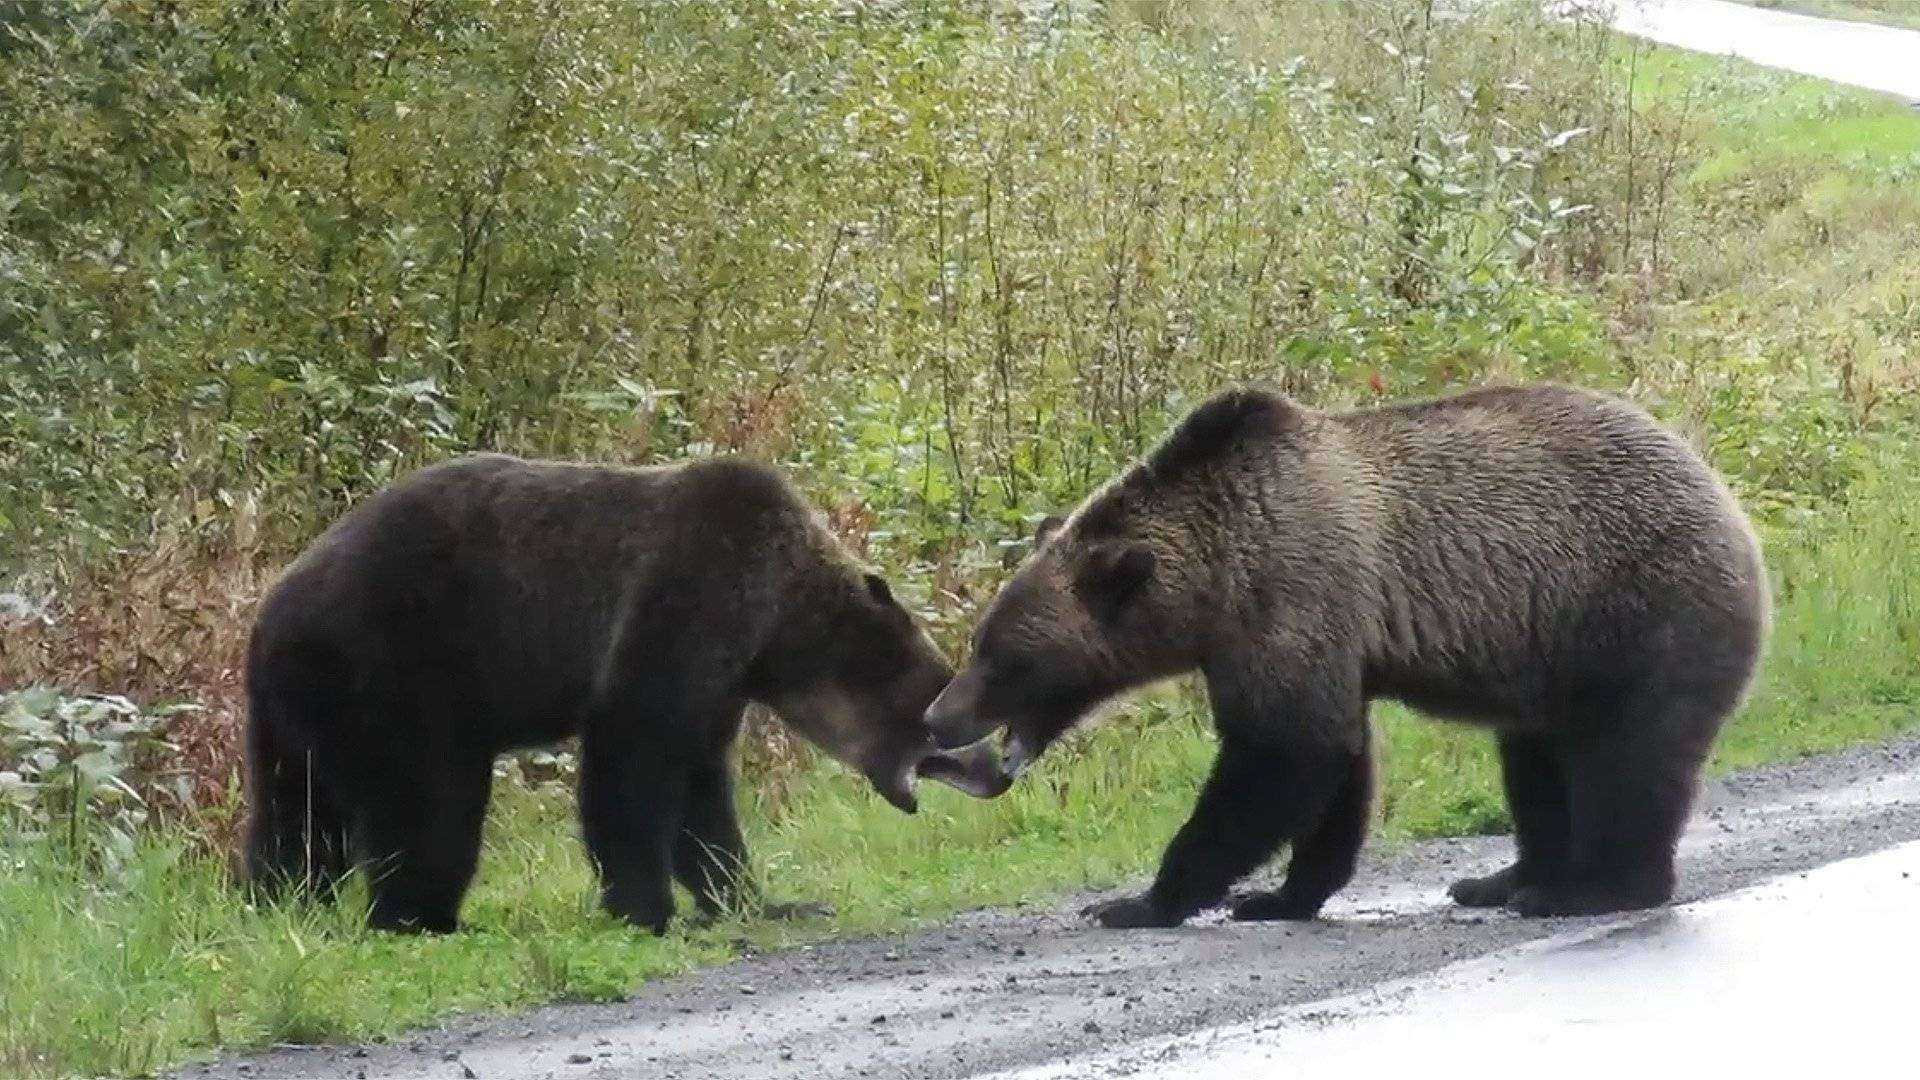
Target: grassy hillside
[(951, 268)]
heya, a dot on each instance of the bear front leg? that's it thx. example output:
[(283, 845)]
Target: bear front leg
[(1261, 794), (1325, 857), (710, 855), (632, 797)]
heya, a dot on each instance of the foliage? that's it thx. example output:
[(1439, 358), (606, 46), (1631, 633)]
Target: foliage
[(953, 264), (72, 771), (957, 265)]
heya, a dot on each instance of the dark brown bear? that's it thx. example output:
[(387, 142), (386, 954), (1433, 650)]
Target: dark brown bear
[(490, 603), (1544, 561)]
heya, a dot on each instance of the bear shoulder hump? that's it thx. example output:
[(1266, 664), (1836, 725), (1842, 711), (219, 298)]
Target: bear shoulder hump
[(1224, 420)]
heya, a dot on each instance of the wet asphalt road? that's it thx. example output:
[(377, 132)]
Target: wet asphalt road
[(1011, 990)]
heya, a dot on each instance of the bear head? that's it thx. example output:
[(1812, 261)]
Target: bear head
[(861, 672), (1072, 628)]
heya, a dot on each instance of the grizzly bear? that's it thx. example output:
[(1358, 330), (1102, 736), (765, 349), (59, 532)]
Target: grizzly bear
[(1544, 561), (489, 603)]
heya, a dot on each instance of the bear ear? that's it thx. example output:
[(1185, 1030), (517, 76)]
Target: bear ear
[(1047, 527), (1112, 574), (877, 588)]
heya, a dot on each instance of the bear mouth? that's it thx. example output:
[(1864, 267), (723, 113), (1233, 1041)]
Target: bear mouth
[(976, 770)]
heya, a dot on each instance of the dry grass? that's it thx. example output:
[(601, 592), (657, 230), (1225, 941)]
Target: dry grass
[(163, 625)]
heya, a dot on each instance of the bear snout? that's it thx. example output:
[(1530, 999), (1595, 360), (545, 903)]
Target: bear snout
[(954, 717), (976, 770)]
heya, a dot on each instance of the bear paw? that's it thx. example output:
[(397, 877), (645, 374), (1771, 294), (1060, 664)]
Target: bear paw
[(1274, 907), (1493, 890), (1130, 913), (642, 909)]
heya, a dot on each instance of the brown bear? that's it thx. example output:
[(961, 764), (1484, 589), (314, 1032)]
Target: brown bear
[(1544, 561), (489, 603)]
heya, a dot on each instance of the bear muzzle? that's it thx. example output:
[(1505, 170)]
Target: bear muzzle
[(954, 717), (976, 770)]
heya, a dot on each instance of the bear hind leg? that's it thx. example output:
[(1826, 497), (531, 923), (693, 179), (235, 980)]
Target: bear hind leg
[(296, 841), (1631, 787), (1533, 771)]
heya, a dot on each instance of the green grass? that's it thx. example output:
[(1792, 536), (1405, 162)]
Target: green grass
[(1765, 118), (127, 979), (171, 961), (1844, 663)]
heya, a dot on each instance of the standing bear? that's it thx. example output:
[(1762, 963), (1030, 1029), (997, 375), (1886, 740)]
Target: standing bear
[(490, 603), (1544, 561)]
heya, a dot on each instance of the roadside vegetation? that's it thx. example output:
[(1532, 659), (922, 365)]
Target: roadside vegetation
[(952, 265)]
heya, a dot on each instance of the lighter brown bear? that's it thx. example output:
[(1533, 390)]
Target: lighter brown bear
[(1544, 561)]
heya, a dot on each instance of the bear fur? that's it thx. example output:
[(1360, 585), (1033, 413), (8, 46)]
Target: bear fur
[(490, 603), (1544, 561)]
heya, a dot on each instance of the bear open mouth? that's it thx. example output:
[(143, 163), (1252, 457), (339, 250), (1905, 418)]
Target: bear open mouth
[(979, 781), (1016, 753), (975, 769)]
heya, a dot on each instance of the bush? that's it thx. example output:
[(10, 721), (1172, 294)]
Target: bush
[(81, 771)]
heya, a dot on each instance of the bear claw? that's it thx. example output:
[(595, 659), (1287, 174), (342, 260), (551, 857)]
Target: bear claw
[(1130, 913)]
